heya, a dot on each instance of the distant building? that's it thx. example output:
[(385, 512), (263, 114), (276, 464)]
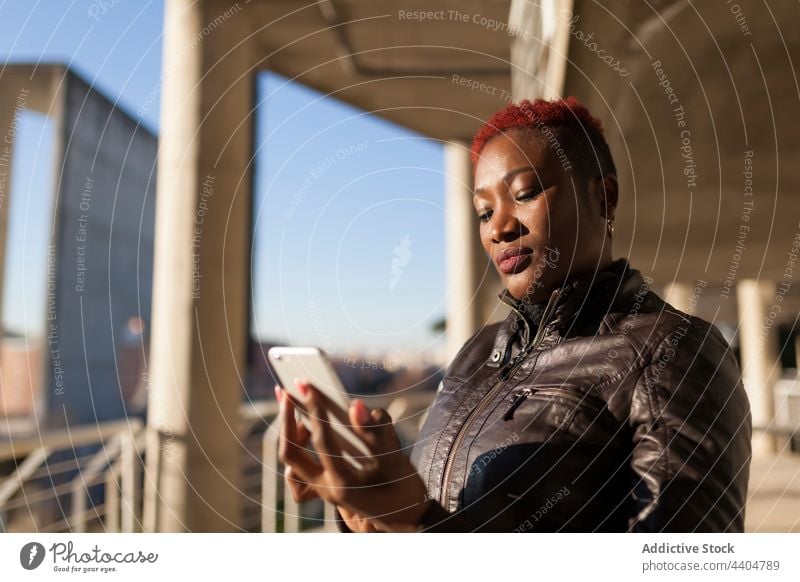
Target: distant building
[(20, 376)]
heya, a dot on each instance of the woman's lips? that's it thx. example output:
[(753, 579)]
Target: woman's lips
[(516, 262)]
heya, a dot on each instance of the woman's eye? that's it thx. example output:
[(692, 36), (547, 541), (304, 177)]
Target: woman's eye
[(485, 216), (528, 194)]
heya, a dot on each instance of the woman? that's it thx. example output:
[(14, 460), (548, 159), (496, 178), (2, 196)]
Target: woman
[(595, 406)]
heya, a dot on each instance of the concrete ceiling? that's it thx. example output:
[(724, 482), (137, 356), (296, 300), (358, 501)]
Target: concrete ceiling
[(739, 90), (377, 55), (732, 67)]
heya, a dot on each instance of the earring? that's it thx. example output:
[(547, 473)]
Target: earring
[(610, 226)]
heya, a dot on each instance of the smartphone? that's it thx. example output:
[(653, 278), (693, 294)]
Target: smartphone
[(313, 365)]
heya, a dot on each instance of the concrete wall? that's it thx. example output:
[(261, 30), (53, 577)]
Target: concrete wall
[(102, 256)]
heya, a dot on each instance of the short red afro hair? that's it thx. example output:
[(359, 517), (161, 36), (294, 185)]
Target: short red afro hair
[(572, 132)]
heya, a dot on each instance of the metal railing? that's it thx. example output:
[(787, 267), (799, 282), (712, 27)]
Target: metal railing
[(90, 478), (52, 488)]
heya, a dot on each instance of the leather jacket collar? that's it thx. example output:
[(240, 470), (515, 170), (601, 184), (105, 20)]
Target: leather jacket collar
[(583, 299)]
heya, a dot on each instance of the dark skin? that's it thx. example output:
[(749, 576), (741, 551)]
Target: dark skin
[(524, 197), (386, 495)]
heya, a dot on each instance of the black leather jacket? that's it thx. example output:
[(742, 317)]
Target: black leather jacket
[(603, 409)]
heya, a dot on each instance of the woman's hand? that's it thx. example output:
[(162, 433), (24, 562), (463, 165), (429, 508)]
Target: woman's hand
[(387, 493), (302, 491), (356, 522)]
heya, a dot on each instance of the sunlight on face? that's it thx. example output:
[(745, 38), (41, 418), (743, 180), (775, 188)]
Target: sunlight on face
[(527, 201)]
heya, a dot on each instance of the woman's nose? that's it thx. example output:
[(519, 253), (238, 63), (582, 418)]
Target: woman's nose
[(505, 225)]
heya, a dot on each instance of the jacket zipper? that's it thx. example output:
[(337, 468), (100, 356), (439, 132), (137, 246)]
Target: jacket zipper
[(505, 373), (521, 397), (528, 392)]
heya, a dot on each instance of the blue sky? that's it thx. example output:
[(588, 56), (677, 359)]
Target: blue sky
[(348, 208)]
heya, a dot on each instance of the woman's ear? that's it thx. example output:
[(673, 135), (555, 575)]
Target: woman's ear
[(608, 194)]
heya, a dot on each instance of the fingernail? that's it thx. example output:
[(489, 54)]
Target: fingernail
[(362, 414), (302, 387), (278, 393)]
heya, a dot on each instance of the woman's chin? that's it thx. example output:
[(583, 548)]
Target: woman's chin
[(521, 285)]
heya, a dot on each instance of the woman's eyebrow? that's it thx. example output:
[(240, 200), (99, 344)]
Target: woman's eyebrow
[(510, 174)]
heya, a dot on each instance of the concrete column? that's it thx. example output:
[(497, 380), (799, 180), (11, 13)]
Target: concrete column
[(797, 353), (759, 355), (491, 310), (201, 270), (557, 61), (539, 57), (464, 251)]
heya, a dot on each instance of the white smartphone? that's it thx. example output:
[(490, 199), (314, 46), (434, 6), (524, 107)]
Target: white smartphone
[(312, 365)]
